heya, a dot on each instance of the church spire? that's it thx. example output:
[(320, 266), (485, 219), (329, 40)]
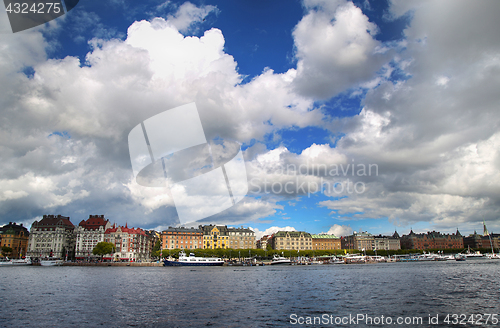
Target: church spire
[(485, 230)]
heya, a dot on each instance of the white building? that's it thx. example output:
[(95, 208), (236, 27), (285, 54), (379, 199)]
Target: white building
[(52, 236), (88, 234)]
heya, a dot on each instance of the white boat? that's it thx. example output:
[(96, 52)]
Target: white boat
[(15, 262), (460, 257), (336, 260), (192, 260), (280, 260), (427, 257), (51, 262), (351, 258), (473, 255), (494, 256)]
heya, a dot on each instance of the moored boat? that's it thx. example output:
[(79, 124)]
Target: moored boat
[(192, 260), (15, 262), (280, 260), (51, 262)]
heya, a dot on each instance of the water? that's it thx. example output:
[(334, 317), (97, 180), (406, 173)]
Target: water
[(247, 296)]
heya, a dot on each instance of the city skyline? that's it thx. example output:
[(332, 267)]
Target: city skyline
[(372, 116)]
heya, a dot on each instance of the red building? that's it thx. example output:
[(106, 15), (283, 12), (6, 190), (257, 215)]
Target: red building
[(432, 240), (131, 244)]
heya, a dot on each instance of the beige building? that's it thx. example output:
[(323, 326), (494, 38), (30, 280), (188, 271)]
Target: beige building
[(262, 242), (359, 240), (388, 243), (241, 238), (324, 242), (291, 240)]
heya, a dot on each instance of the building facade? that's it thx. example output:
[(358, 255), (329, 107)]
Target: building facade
[(215, 236), (88, 233), (324, 242), (432, 240), (131, 244), (15, 237), (476, 240), (181, 238), (359, 240), (52, 236), (291, 240), (388, 243), (263, 242), (241, 238)]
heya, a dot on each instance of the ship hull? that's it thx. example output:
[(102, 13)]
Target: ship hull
[(176, 263)]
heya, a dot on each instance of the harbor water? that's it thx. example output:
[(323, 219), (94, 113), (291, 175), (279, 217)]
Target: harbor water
[(269, 296)]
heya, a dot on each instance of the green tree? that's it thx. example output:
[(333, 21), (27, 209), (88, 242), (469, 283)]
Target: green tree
[(156, 249), (103, 248), (6, 250)]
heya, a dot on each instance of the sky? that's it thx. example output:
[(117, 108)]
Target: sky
[(377, 116)]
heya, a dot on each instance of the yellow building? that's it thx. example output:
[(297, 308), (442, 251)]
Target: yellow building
[(215, 236), (16, 237)]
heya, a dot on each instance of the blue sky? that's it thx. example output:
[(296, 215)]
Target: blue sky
[(311, 83)]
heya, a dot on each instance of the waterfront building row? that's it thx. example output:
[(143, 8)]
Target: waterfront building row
[(56, 236), (300, 240), (208, 237)]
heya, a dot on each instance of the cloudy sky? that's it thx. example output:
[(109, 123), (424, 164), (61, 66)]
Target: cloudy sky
[(361, 115)]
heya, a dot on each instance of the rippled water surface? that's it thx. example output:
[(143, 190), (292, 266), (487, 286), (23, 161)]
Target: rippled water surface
[(245, 296)]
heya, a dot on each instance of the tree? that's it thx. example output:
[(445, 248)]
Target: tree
[(156, 248), (6, 250), (103, 248)]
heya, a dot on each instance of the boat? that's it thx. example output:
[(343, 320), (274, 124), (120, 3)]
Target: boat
[(494, 256), (51, 262), (352, 258), (460, 257), (192, 260), (15, 262), (277, 260), (473, 254), (336, 260), (427, 257)]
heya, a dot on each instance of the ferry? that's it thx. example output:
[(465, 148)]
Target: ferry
[(192, 260), (15, 262)]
